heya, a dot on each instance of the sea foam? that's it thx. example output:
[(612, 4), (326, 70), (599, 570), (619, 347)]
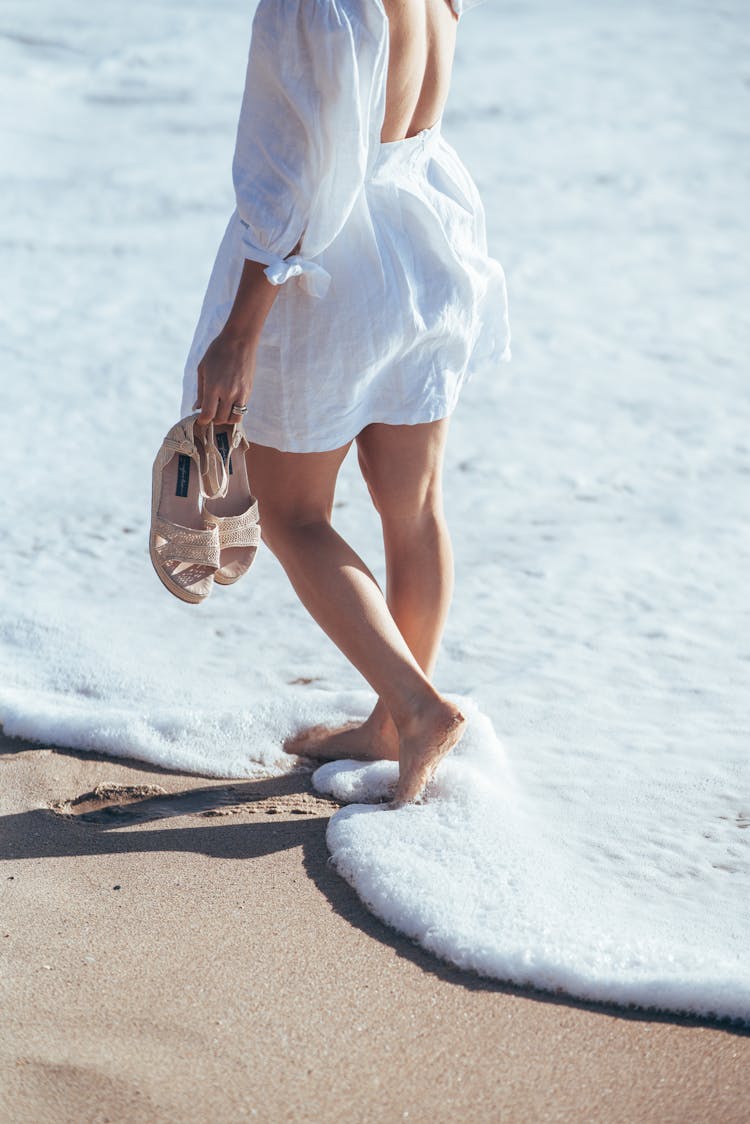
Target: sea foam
[(520, 891)]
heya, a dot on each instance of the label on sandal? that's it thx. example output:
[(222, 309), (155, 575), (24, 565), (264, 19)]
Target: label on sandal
[(183, 475), (222, 444)]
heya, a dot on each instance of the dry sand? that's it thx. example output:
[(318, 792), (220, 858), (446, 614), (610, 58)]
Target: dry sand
[(195, 958)]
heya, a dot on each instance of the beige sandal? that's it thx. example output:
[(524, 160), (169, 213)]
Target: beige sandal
[(233, 512), (185, 552)]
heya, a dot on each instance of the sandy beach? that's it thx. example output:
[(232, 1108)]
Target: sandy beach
[(179, 948)]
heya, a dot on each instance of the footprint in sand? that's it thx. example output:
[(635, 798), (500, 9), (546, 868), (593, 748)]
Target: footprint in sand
[(126, 804)]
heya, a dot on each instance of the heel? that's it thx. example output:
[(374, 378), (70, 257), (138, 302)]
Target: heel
[(234, 514)]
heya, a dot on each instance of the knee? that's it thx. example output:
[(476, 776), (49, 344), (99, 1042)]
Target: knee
[(402, 500), (282, 530), (413, 506), (414, 525)]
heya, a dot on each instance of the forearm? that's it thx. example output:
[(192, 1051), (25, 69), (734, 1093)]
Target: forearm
[(252, 304), (226, 371)]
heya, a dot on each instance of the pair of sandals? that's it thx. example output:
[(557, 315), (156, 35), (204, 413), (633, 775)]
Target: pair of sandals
[(204, 518)]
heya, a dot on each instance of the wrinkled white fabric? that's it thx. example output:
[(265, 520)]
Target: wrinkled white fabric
[(389, 300)]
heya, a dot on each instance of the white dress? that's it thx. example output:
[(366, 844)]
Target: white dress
[(391, 301)]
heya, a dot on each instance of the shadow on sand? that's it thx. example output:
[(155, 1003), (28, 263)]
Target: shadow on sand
[(87, 825)]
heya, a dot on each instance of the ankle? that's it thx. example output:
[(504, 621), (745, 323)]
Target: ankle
[(379, 720), (414, 708)]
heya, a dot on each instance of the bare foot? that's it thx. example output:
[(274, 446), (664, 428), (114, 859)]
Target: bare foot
[(424, 742), (375, 739)]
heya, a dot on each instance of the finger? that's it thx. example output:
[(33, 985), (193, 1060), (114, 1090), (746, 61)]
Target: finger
[(226, 414), (222, 411), (199, 395), (209, 408)]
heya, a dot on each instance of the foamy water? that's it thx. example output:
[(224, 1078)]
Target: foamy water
[(591, 834), (608, 899)]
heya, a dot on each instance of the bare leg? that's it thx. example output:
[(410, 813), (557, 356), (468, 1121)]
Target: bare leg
[(402, 465), (295, 494)]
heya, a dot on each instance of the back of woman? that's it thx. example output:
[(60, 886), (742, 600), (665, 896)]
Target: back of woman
[(422, 41)]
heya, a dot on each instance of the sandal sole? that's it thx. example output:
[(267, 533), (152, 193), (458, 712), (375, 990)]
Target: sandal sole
[(222, 580), (177, 590)]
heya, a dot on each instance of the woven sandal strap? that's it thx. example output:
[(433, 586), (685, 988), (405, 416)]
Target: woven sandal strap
[(186, 544), (236, 530), (239, 535), (213, 481), (215, 474)]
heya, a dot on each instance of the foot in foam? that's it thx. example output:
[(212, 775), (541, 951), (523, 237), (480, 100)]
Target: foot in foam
[(369, 741), (425, 741)]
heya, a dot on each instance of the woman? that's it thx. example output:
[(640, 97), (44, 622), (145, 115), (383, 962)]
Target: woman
[(351, 297)]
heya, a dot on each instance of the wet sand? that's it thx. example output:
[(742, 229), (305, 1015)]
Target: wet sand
[(178, 948)]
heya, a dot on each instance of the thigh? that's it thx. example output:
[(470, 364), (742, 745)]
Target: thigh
[(293, 487), (403, 465)]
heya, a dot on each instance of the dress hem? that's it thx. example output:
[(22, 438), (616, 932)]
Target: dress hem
[(270, 438), (329, 444)]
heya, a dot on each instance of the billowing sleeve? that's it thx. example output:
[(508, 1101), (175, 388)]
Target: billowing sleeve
[(311, 113)]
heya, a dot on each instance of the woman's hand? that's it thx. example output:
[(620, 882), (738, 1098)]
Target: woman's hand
[(225, 377), (226, 371)]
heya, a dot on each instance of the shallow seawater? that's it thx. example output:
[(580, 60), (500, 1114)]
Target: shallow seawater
[(592, 832)]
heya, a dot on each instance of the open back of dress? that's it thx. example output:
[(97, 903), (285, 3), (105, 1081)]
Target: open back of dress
[(422, 40)]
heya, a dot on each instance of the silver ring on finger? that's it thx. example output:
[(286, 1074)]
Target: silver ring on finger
[(238, 409)]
